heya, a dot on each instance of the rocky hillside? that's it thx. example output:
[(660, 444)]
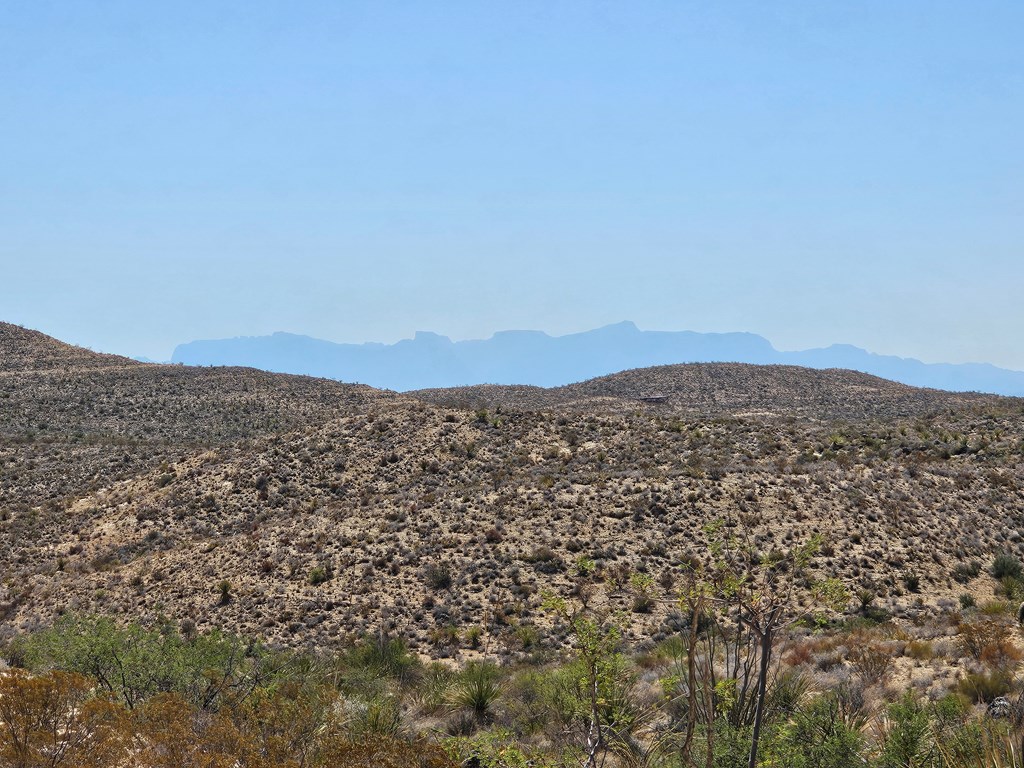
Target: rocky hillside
[(306, 511), (72, 420)]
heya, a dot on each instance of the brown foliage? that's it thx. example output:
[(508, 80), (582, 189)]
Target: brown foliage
[(172, 735), (871, 662), (988, 641), (54, 720), (384, 753)]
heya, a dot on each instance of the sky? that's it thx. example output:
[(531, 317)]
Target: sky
[(816, 172)]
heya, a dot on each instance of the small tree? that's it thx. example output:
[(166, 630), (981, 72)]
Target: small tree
[(597, 637), (764, 593)]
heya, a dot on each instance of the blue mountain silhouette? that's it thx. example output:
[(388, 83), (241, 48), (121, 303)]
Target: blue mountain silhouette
[(533, 357)]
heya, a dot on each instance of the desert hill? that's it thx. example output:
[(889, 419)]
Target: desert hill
[(72, 420), (46, 385), (23, 349), (717, 389), (307, 511)]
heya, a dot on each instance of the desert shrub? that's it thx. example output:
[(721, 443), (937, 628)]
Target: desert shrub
[(964, 572), (865, 597), (433, 686), (545, 560), (383, 657), (852, 702), (170, 735), (921, 650), (289, 723), (787, 693), (526, 636), (54, 720), (870, 661), (984, 686), (952, 709), (643, 603), (374, 718), (474, 636), (134, 663), (569, 699), (1011, 587), (526, 701), (799, 655), (318, 576), (1005, 565), (987, 640), (1002, 654), (995, 608), (972, 743), (494, 749), (642, 586), (907, 737), (382, 753), (437, 576), (446, 636), (817, 735)]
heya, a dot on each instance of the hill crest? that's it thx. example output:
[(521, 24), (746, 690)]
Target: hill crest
[(25, 349)]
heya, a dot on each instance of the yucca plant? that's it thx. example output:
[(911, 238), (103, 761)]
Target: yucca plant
[(433, 689), (477, 689)]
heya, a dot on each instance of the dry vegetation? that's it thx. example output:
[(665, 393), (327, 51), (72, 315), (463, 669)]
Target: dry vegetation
[(310, 513)]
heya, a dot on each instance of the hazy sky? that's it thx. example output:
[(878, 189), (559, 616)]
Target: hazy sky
[(814, 171)]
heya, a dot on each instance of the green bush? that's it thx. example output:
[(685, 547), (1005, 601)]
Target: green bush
[(817, 736), (983, 687), (381, 656), (964, 572), (496, 748), (134, 662), (908, 739), (1005, 565)]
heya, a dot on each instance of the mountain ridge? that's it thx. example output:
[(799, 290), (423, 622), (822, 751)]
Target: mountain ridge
[(430, 360)]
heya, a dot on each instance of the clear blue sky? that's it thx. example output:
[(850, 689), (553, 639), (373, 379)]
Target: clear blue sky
[(816, 172)]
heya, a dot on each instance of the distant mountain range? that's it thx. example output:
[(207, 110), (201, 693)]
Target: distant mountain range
[(533, 357)]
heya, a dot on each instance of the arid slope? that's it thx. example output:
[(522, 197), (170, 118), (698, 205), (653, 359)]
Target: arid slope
[(350, 509)]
